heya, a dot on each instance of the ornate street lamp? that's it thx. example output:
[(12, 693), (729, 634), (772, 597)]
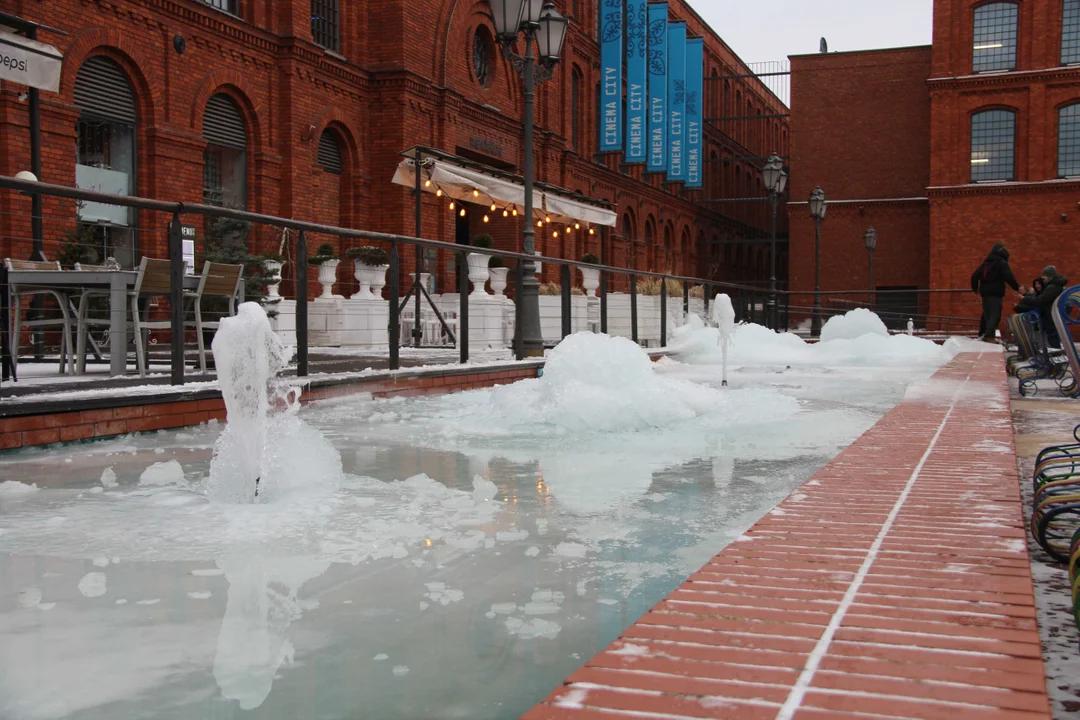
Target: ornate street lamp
[(871, 244), (539, 21), (818, 206), (775, 180)]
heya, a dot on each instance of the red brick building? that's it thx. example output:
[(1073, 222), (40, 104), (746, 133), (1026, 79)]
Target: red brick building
[(944, 150), (300, 108)]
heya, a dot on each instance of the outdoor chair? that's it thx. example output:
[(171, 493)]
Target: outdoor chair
[(1074, 577), (1055, 520), (154, 279), (82, 314), (64, 322)]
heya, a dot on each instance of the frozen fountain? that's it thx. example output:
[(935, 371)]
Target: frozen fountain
[(723, 315), (265, 450)]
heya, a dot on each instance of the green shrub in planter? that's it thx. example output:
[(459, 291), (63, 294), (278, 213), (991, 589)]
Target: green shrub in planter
[(482, 241), (590, 258), (324, 253), (368, 255), (496, 262)]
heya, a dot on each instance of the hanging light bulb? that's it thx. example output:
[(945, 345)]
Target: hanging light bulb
[(452, 205), (487, 219), (475, 192), (577, 226), (427, 183), (514, 212), (505, 213), (591, 232), (539, 223), (554, 233), (569, 230), (462, 213), (493, 208), (438, 192), (547, 219)]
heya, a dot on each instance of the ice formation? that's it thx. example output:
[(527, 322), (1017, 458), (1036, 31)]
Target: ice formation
[(724, 319), (265, 449), (858, 338)]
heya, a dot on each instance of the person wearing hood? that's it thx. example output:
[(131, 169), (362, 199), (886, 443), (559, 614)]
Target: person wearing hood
[(1054, 283), (989, 281)]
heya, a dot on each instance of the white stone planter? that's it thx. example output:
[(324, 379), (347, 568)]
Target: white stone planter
[(368, 276), (379, 282), (497, 277), (327, 278), (273, 269), (590, 278), (478, 271)]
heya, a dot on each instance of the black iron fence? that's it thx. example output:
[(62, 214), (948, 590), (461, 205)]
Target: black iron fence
[(297, 236)]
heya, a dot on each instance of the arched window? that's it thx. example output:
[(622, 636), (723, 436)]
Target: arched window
[(324, 24), (993, 139), (1069, 141), (330, 152), (483, 56), (576, 82), (1070, 32), (995, 33), (225, 157), (105, 156)]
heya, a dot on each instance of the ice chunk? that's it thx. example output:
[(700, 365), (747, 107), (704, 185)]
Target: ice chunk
[(534, 628), (10, 489), (401, 670), (569, 549), (532, 552), (108, 478), (199, 595), (92, 585), (166, 473)]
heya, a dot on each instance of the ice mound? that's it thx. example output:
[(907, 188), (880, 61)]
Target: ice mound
[(857, 339), (13, 489), (264, 444), (599, 384), (853, 325)]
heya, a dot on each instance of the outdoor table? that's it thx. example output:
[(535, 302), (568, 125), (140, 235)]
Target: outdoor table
[(117, 282)]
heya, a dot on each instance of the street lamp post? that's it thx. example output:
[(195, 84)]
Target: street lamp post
[(871, 245), (538, 21), (818, 206), (775, 180)]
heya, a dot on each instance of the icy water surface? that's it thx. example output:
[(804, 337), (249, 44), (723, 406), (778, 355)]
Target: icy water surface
[(481, 547)]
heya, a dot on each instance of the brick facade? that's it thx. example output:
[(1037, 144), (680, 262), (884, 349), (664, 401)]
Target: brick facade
[(906, 115), (403, 76)]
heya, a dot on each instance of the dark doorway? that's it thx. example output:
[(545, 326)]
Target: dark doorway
[(897, 306)]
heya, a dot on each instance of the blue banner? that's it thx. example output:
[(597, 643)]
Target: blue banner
[(658, 61), (676, 102), (611, 62), (637, 45), (695, 79)]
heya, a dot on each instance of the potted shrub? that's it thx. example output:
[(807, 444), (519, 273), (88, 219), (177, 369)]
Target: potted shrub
[(327, 263), (478, 264), (590, 277), (370, 264), (272, 264)]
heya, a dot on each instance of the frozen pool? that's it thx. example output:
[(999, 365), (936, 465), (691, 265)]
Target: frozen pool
[(480, 546)]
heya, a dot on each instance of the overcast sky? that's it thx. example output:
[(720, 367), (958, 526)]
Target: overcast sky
[(763, 30)]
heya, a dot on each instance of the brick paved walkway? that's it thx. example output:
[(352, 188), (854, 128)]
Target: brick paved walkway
[(894, 583)]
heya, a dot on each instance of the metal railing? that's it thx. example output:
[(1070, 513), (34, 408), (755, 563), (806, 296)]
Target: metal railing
[(751, 299)]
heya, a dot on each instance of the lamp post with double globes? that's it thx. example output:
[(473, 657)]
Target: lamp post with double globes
[(540, 22), (871, 245), (818, 206), (775, 180)]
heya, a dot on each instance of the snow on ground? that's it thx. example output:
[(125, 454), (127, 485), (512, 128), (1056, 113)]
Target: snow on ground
[(1046, 422)]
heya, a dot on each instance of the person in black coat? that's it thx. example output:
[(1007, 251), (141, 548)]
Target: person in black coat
[(989, 281), (1053, 284)]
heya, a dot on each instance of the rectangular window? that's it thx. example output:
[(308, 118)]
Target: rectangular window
[(324, 23), (575, 110), (1070, 32), (993, 139), (230, 6), (1069, 141), (995, 37)]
